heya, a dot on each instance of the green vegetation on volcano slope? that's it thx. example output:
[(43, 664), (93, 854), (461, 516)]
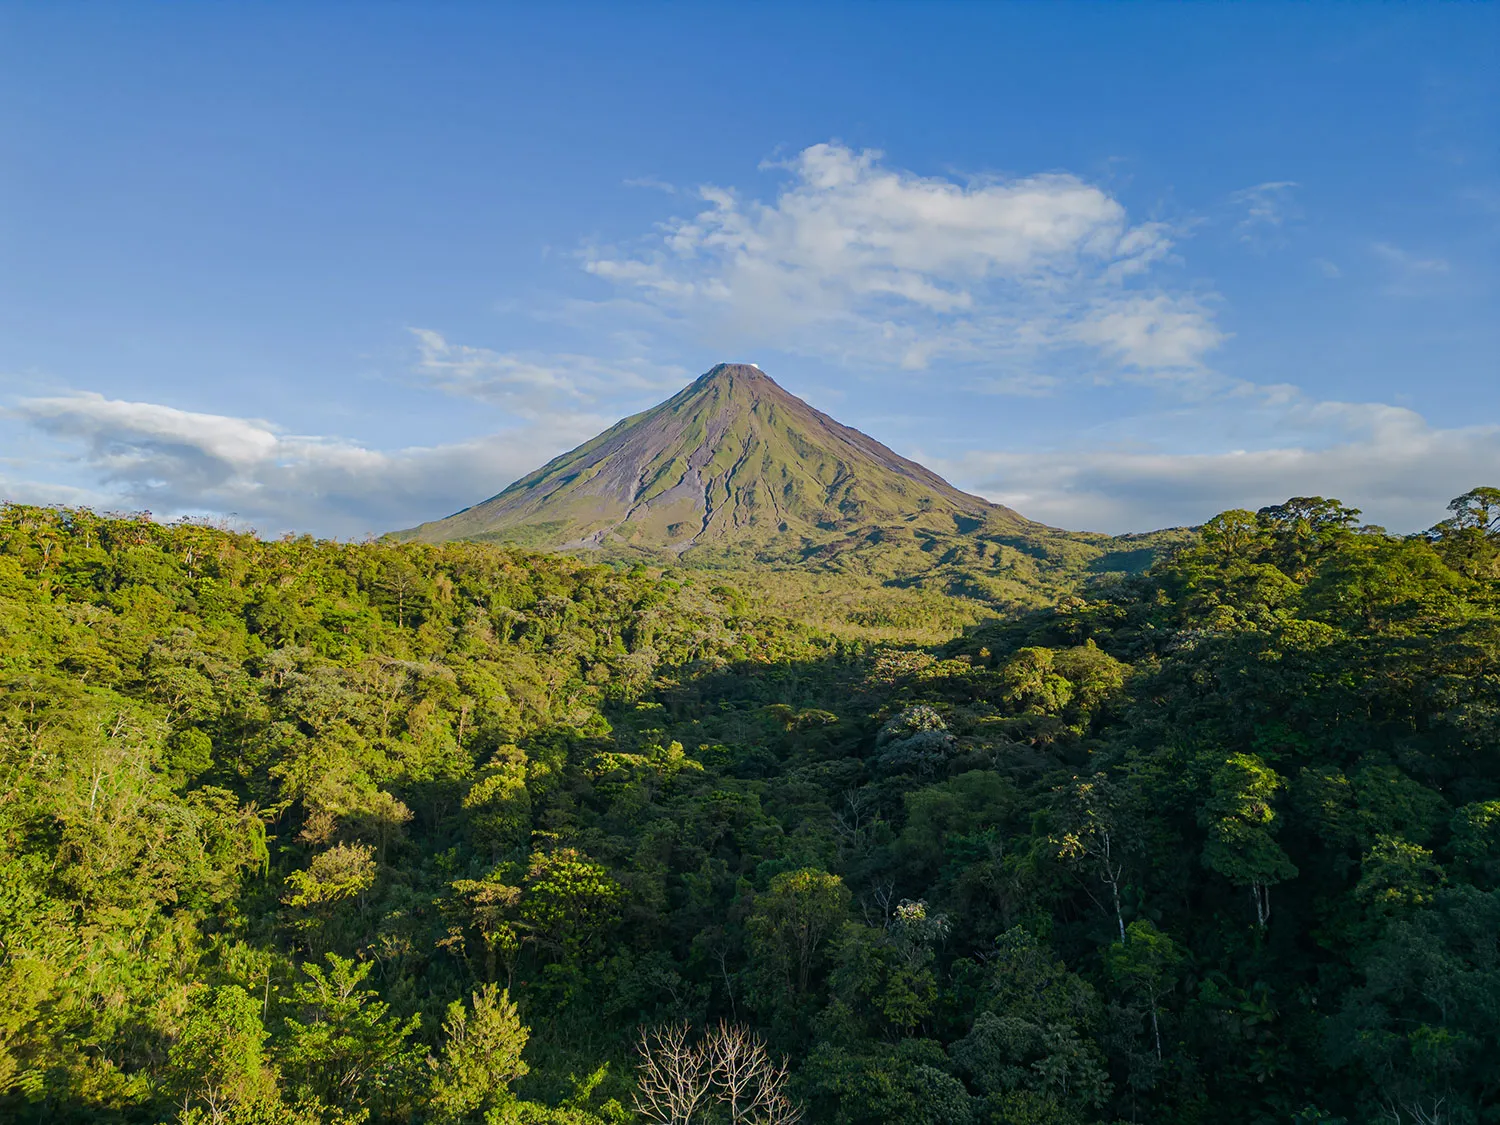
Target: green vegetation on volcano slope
[(321, 832)]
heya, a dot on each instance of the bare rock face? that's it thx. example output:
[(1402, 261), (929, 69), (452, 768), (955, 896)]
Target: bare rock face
[(731, 466)]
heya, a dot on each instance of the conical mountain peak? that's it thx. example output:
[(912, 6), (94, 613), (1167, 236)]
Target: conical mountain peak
[(731, 372), (732, 464)]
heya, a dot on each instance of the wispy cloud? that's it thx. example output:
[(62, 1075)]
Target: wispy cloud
[(653, 183), (1264, 211), (1407, 262), (533, 385), (1019, 385), (854, 259), (1409, 274)]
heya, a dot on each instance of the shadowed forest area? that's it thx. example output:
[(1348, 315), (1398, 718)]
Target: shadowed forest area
[(313, 832)]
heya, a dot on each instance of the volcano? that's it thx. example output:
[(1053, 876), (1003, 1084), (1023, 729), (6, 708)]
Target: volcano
[(732, 461), (735, 471)]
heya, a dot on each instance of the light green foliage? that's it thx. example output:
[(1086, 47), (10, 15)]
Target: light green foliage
[(1397, 874), (1469, 539), (218, 1061), (884, 976), (343, 1049), (1145, 964), (1476, 842), (481, 1056), (339, 873), (1033, 685), (567, 901)]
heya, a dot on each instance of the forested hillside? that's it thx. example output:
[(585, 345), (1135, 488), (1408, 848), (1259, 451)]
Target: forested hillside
[(314, 832)]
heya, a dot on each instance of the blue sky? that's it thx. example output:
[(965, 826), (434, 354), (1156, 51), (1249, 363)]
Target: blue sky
[(344, 267)]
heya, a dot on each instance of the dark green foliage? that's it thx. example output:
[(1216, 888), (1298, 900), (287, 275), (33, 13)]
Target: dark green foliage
[(313, 832)]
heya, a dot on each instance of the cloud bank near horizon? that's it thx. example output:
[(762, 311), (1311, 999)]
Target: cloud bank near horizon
[(175, 462)]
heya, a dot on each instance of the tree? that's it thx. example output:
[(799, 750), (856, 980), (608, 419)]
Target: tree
[(749, 1084), (1422, 1024), (1033, 685), (1092, 812), (402, 590), (909, 1082), (344, 1051), (1476, 842), (672, 1075), (218, 1061), (1469, 539), (343, 872), (680, 1079), (490, 907), (481, 1057), (1479, 508), (1397, 874), (1233, 535), (568, 900), (1033, 1043), (1241, 824), (1146, 963), (792, 918), (916, 739), (1304, 529)]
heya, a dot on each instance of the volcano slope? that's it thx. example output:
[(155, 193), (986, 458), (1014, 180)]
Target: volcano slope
[(736, 473)]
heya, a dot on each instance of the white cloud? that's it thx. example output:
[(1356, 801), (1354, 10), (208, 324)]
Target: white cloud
[(855, 259), (1150, 333), (653, 183), (175, 462), (1383, 459), (24, 490)]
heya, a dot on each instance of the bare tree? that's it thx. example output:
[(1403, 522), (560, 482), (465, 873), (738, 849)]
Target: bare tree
[(672, 1077), (876, 906), (730, 1068), (852, 825), (746, 1080)]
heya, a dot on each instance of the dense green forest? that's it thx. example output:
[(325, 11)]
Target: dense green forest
[(313, 832)]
